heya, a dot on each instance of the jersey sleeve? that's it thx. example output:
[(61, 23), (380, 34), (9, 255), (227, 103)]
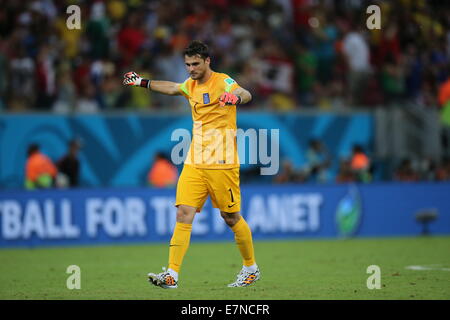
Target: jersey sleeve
[(230, 84), (183, 88)]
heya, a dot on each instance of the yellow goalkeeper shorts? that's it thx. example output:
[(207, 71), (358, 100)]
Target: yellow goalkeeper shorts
[(222, 185)]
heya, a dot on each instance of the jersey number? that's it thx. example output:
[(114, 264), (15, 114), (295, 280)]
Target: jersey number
[(231, 193)]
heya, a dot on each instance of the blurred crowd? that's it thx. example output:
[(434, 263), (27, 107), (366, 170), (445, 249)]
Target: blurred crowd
[(41, 172), (289, 53), (360, 167)]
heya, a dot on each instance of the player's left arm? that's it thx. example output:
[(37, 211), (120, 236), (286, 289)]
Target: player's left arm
[(235, 97), (245, 95)]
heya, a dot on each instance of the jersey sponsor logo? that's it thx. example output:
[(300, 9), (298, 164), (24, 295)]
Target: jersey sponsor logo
[(229, 81), (206, 99)]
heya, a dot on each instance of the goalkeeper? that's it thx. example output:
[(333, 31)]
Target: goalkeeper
[(211, 166)]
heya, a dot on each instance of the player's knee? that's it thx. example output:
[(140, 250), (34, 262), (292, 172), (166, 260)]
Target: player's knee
[(230, 218), (185, 214)]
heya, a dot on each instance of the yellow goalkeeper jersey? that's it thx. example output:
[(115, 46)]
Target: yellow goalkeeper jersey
[(213, 144)]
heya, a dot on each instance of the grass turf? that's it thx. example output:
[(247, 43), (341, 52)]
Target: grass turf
[(301, 269)]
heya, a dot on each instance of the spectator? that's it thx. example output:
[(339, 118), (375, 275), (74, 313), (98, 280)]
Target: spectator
[(426, 169), (65, 100), (170, 66), (3, 76), (405, 172), (318, 160), (357, 53), (40, 172), (443, 170), (45, 78), (69, 164), (444, 102), (444, 93), (97, 31), (392, 80), (131, 38), (22, 81), (163, 174), (360, 164), (336, 90), (306, 66), (288, 174), (326, 35), (345, 174), (389, 46), (414, 69), (87, 102)]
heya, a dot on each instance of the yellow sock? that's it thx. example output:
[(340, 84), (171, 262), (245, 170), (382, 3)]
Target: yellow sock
[(243, 238), (179, 245)]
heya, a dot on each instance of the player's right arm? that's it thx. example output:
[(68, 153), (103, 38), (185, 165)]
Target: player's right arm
[(165, 87)]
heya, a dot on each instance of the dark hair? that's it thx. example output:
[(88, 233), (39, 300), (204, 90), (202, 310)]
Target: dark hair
[(75, 143), (32, 148), (358, 148), (314, 142), (161, 155), (196, 47)]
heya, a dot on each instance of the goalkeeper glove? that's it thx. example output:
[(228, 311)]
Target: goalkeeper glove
[(133, 79), (229, 99)]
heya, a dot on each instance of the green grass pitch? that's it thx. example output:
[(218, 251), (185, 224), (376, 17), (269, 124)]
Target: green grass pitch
[(294, 269)]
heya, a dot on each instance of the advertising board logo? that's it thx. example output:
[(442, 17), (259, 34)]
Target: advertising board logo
[(348, 213)]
